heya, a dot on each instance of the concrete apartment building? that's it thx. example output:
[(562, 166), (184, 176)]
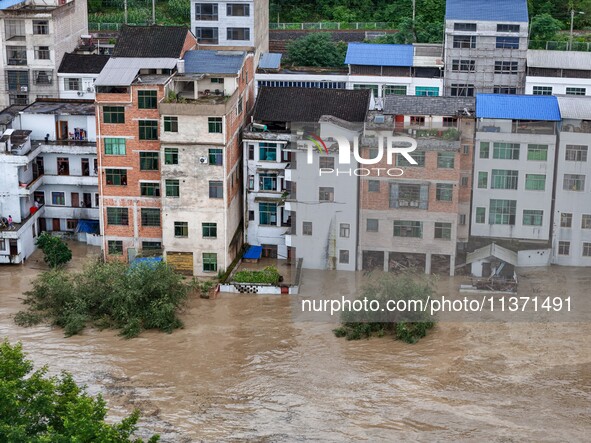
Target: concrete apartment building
[(231, 24), (201, 156), (292, 210), (48, 175), (34, 36), (571, 245), (485, 46), (514, 168), (128, 91), (558, 72), (419, 218), (77, 73)]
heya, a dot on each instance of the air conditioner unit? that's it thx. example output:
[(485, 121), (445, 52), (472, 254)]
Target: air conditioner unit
[(24, 89), (90, 89), (203, 160), (80, 93)]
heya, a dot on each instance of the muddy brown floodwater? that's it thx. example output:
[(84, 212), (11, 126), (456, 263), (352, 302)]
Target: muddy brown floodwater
[(243, 369)]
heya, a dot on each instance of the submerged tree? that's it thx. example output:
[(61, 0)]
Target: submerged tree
[(55, 250)]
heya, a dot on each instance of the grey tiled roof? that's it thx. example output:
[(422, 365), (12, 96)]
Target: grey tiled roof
[(213, 62), (82, 63), (150, 41), (413, 105)]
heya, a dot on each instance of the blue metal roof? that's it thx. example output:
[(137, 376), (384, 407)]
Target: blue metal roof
[(517, 107), (8, 3), (203, 61), (270, 60), (487, 10), (253, 253), (374, 54)]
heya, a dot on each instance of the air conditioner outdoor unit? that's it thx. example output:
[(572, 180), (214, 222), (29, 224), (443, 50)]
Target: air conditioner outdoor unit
[(24, 88), (90, 89), (203, 160), (80, 93)]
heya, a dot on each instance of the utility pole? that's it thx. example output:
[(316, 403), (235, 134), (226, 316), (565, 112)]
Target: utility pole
[(153, 12), (414, 14), (125, 6), (572, 22)]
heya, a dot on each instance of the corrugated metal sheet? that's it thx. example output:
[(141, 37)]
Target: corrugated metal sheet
[(270, 60), (373, 54), (492, 250), (487, 10), (122, 71), (575, 107), (253, 253), (213, 62), (559, 59), (518, 107)]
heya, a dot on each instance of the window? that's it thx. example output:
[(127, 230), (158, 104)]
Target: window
[(171, 156), (537, 152), (326, 194), (238, 33), (118, 216), (408, 229), (239, 106), (344, 230), (462, 220), (586, 249), (502, 212), (463, 65), (171, 124), (417, 120), (214, 125), (450, 122), (71, 223), (147, 99), (181, 229), (373, 186), (216, 189), (429, 91), (268, 152), (116, 177), (532, 217), (573, 182), (42, 78), (446, 159), (464, 181), (149, 161), (484, 149), (542, 90), (58, 198), (576, 153), (535, 182), (374, 88), (216, 156), (507, 42), (443, 230), (444, 192), (40, 27), (506, 151), (462, 90), (251, 182), (115, 247), (218, 80), (372, 225), (394, 90), (251, 152), (504, 179), (150, 189), (209, 230), (42, 52), (17, 55), (507, 28), (210, 262), (237, 10), (563, 248), (326, 162), (470, 27), (482, 180), (566, 220), (464, 41), (505, 90), (207, 36), (586, 221), (267, 182), (480, 215), (148, 129), (172, 188), (418, 156), (114, 146), (150, 217), (151, 245), (409, 195), (506, 67), (576, 91), (343, 256), (113, 114), (268, 214), (72, 84), (206, 11), (306, 228)]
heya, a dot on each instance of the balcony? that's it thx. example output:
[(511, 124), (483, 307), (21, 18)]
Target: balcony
[(517, 126), (582, 126)]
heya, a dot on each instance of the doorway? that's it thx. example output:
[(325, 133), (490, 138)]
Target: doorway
[(55, 224), (61, 127), (75, 199)]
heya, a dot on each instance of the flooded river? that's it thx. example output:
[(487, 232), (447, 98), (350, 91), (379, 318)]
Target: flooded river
[(243, 369)]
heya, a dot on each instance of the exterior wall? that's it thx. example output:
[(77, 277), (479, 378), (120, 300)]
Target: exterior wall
[(558, 84), (485, 54), (86, 91), (411, 83)]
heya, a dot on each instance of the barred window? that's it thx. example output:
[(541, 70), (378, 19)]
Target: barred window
[(114, 114), (114, 146), (118, 216), (504, 179), (443, 230), (115, 247), (147, 99), (150, 217), (149, 161), (502, 212), (116, 177), (148, 130), (444, 192)]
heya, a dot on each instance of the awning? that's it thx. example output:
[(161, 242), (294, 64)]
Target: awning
[(253, 253), (88, 226)]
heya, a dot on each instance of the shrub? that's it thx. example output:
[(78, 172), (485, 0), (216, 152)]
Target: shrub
[(316, 49), (268, 275), (56, 252)]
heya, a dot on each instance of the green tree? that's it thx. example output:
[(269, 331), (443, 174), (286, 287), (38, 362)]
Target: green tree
[(36, 408), (543, 28), (179, 11), (55, 250), (408, 326), (316, 49)]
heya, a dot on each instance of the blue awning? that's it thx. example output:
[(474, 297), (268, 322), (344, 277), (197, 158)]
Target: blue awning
[(253, 253), (88, 226)]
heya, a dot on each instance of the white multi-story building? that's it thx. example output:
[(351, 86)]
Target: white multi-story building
[(514, 167), (572, 211), (77, 73), (558, 72), (34, 35)]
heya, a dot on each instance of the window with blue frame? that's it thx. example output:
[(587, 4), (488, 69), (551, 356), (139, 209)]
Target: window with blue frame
[(268, 152), (267, 213), (429, 91)]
